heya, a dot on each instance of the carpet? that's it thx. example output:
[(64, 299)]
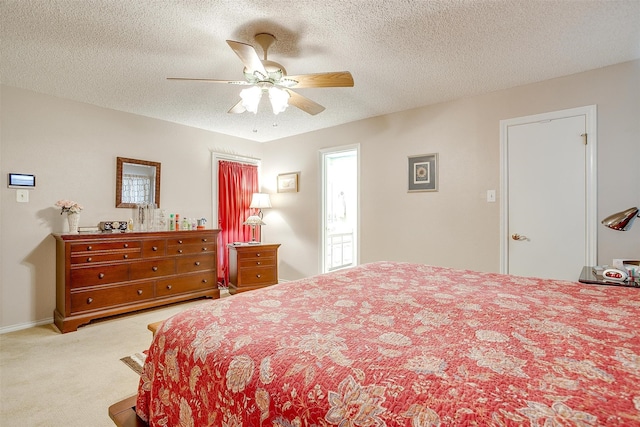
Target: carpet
[(135, 362)]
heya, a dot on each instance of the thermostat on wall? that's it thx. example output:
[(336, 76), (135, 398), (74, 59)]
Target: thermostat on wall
[(21, 180)]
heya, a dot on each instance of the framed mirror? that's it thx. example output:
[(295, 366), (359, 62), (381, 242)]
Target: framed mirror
[(137, 183)]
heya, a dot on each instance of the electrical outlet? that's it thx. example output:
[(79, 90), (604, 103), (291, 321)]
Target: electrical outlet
[(22, 196), (491, 196)]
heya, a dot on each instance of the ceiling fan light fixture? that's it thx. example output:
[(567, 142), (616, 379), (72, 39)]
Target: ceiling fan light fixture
[(279, 99), (251, 98)]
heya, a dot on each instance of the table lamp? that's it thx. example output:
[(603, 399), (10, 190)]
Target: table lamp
[(253, 221), (621, 221)]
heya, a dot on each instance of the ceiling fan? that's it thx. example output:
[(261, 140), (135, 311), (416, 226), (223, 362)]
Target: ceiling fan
[(264, 76)]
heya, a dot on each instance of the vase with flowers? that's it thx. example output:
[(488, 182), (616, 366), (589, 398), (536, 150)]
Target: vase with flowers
[(72, 209)]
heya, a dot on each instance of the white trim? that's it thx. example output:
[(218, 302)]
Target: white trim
[(27, 325), (322, 154), (591, 190), (215, 158)]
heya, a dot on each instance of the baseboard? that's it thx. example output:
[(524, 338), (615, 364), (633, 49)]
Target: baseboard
[(26, 325)]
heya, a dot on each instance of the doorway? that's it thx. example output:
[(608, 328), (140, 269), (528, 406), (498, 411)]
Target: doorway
[(548, 218), (340, 208)]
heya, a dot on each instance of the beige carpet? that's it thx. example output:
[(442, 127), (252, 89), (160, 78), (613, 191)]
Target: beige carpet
[(52, 379)]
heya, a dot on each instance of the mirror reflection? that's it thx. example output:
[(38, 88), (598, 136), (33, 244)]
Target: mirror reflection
[(137, 183)]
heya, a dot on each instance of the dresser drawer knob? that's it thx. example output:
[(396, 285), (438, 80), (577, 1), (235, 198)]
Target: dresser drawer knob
[(89, 248), (154, 268), (179, 242), (204, 249), (258, 254), (258, 263), (169, 287), (179, 251), (258, 276), (125, 256), (89, 300), (139, 291), (197, 263), (204, 280), (204, 240), (89, 259), (101, 276), (155, 248), (126, 245)]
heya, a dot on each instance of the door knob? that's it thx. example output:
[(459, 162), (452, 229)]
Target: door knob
[(517, 236)]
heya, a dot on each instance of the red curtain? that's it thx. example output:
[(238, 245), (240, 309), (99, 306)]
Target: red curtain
[(236, 184)]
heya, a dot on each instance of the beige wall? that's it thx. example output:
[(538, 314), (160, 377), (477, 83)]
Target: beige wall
[(71, 147), (456, 226)]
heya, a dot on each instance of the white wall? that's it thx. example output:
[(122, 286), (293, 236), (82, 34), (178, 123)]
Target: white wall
[(454, 227), (72, 148)]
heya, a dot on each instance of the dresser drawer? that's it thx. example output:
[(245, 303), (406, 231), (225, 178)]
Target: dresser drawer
[(206, 240), (153, 248), (256, 275), (187, 283), (91, 276), (153, 268), (191, 249), (91, 258), (112, 296), (104, 246), (188, 264)]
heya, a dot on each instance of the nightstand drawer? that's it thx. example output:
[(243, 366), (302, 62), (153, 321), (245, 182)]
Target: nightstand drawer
[(257, 262), (256, 275), (256, 252)]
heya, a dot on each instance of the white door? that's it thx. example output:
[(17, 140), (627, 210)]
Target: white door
[(549, 194), (339, 208)]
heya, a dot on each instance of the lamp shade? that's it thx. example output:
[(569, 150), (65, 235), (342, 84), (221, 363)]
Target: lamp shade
[(260, 201), (621, 221), (254, 220)]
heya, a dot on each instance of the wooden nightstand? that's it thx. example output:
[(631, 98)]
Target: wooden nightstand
[(252, 266)]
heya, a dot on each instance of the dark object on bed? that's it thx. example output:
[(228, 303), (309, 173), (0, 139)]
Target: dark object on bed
[(400, 344)]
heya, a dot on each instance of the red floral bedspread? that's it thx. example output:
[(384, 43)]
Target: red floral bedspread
[(400, 344)]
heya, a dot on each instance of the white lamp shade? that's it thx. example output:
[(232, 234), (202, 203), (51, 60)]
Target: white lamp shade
[(260, 201), (251, 98), (254, 220)]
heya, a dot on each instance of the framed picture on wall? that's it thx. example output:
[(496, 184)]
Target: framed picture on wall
[(423, 173), (288, 182)]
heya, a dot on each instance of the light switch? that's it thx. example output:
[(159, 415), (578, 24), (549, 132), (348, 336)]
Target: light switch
[(491, 196), (22, 196)]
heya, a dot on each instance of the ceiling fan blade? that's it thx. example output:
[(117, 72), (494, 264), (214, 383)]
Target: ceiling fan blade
[(237, 109), (231, 82), (337, 79), (303, 103), (248, 56)]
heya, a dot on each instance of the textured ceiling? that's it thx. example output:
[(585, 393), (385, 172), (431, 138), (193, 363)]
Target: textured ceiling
[(402, 54)]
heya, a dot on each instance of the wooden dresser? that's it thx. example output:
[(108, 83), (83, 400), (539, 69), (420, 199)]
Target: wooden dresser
[(252, 266), (99, 275)]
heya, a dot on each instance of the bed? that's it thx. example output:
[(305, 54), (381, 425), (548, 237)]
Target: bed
[(400, 344)]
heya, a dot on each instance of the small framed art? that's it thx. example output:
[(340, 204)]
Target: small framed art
[(423, 173), (288, 182)]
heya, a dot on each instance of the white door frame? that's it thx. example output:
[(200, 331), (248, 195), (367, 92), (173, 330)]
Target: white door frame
[(322, 192), (591, 222)]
